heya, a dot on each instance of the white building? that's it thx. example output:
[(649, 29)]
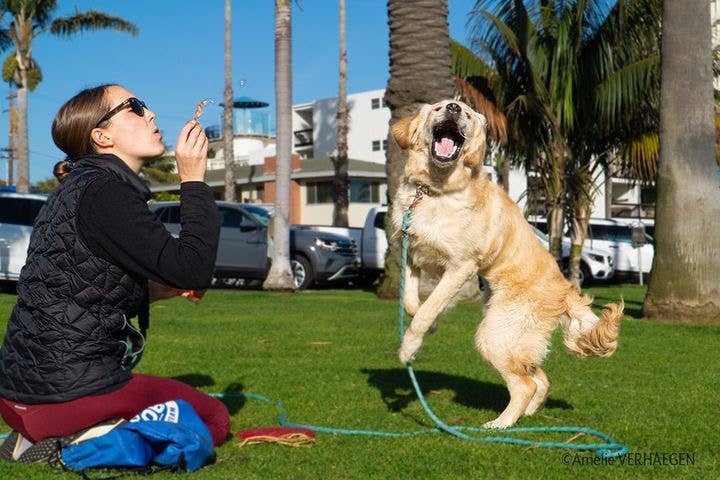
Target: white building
[(314, 129)]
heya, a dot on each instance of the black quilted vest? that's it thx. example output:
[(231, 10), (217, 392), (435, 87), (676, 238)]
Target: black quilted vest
[(67, 335)]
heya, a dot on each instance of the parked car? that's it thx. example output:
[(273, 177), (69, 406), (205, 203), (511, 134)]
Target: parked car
[(17, 216), (370, 239), (315, 257), (596, 264), (615, 236)]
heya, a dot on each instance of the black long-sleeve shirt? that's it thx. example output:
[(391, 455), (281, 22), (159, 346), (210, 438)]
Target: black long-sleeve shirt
[(115, 223)]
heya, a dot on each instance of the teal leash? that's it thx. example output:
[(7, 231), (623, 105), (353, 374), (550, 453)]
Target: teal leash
[(610, 448), (607, 449)]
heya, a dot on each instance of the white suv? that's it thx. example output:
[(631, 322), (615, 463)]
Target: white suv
[(616, 236), (595, 264), (17, 215)]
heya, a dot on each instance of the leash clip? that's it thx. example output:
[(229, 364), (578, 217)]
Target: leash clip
[(420, 191)]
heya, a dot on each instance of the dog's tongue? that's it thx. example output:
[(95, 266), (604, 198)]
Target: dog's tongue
[(445, 147)]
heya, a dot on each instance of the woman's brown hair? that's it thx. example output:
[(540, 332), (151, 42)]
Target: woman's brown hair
[(76, 119), (61, 170)]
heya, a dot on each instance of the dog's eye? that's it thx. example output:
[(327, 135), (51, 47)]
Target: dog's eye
[(437, 109), (467, 115)]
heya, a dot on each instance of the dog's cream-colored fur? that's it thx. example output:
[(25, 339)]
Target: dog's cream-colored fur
[(467, 226)]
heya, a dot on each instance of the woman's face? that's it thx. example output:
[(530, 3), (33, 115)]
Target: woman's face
[(132, 136)]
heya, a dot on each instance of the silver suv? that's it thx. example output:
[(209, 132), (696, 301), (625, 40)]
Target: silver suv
[(315, 257), (17, 216)]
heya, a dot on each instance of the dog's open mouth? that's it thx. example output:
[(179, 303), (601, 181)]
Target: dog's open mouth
[(447, 142)]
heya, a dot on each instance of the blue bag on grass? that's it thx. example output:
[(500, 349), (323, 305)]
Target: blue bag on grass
[(168, 434)]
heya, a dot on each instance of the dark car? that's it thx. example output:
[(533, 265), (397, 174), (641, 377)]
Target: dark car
[(315, 257)]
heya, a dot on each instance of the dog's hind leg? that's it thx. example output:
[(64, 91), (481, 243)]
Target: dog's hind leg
[(450, 283), (522, 388), (541, 393)]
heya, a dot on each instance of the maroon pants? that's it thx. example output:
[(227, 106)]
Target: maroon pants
[(37, 422)]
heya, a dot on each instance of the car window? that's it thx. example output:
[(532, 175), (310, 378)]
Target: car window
[(162, 214), (173, 214), (542, 226), (259, 214), (380, 220), (19, 211), (599, 232), (232, 218)]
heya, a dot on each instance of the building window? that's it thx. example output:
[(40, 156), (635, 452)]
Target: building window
[(384, 144), (376, 145), (319, 192), (384, 103), (364, 191), (375, 103)]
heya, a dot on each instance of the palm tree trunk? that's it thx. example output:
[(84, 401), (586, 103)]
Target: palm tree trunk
[(341, 182), (580, 220), (684, 282), (505, 177), (280, 275), (23, 159), (555, 195), (228, 134), (420, 72), (12, 136), (609, 170)]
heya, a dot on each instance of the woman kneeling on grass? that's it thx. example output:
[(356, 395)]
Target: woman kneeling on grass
[(97, 257)]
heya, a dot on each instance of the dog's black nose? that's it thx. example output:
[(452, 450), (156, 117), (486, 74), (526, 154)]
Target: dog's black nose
[(453, 108)]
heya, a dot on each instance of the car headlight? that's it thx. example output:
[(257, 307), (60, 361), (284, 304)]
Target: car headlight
[(597, 258), (326, 244)]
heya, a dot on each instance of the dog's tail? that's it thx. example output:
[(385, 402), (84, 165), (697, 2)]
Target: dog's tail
[(586, 334)]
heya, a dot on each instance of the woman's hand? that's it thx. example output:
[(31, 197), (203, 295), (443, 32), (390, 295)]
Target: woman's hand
[(191, 152)]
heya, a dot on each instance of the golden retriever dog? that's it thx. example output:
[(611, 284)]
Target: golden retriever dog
[(464, 226)]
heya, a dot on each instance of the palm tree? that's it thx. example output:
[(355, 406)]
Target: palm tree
[(341, 183), (684, 286), (562, 71), (530, 81), (23, 21), (280, 275), (420, 72), (228, 134)]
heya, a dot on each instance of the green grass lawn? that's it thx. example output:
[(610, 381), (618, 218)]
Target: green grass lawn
[(329, 356)]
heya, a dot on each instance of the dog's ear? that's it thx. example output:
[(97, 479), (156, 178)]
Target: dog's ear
[(403, 131), (476, 152)]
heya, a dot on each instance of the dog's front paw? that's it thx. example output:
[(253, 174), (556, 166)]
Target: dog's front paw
[(410, 347)]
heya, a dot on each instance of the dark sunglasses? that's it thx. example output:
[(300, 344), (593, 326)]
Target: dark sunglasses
[(137, 106)]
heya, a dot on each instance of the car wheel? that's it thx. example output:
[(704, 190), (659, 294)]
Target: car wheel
[(302, 272), (585, 275)]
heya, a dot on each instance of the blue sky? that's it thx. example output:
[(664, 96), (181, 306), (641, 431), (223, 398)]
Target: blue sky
[(177, 59)]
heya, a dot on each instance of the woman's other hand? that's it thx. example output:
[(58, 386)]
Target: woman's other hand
[(191, 153)]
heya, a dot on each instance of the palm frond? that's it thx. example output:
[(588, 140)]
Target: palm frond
[(496, 121), (466, 64), (639, 156), (89, 21), (626, 87)]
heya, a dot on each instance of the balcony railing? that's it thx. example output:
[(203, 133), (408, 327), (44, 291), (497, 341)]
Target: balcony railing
[(303, 138), (633, 210)]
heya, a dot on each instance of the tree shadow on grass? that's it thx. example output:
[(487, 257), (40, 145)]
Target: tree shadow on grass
[(632, 308), (229, 396), (397, 391)]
